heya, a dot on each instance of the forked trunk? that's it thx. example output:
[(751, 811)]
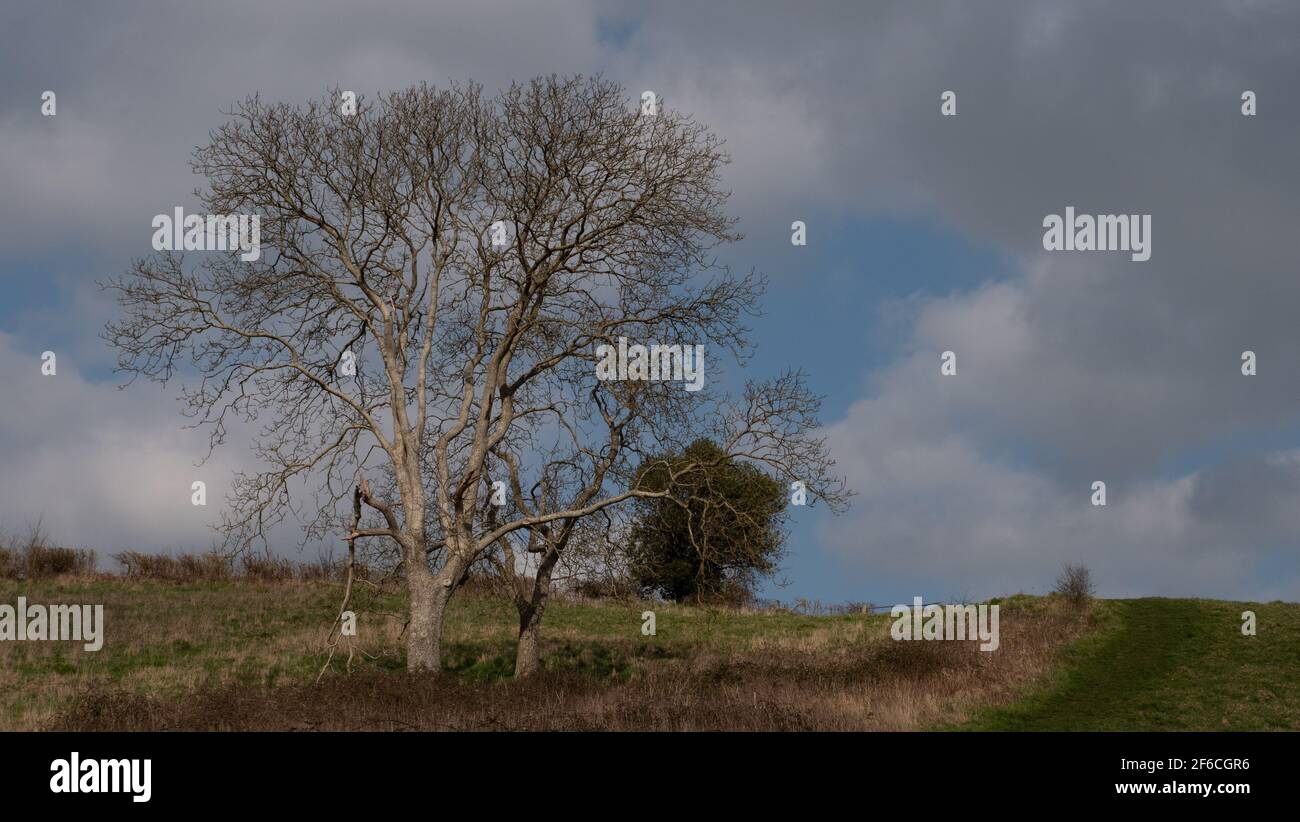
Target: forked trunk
[(528, 651)]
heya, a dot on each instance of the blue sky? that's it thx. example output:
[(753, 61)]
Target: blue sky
[(924, 235)]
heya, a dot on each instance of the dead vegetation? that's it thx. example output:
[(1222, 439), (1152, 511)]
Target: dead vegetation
[(32, 557), (200, 641), (214, 566), (709, 669), (1075, 584)]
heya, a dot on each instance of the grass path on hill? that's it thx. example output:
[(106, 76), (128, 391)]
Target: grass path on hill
[(1170, 664)]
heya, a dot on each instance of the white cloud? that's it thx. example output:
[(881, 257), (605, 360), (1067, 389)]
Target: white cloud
[(106, 469), (1081, 367)]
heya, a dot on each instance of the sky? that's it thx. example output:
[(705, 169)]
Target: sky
[(925, 235)]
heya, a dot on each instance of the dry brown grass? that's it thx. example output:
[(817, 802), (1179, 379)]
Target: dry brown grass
[(161, 639), (214, 567), (39, 561), (710, 669)]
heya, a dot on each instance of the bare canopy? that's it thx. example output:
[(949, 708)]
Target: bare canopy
[(387, 344)]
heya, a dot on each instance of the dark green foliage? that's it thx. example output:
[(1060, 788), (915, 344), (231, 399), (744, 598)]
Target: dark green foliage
[(718, 532)]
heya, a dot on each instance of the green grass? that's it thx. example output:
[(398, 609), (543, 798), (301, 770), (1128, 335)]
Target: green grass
[(1146, 664), (167, 639), (604, 640), (162, 638), (1169, 665)]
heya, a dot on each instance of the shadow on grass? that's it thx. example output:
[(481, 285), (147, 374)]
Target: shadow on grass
[(600, 661)]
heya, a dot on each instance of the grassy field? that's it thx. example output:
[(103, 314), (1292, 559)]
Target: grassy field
[(246, 655), (1169, 665)]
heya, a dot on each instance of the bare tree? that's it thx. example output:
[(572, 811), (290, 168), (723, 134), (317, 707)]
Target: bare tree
[(772, 427), (382, 233), (1075, 583)]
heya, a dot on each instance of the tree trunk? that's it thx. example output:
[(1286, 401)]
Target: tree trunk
[(528, 651), (424, 634)]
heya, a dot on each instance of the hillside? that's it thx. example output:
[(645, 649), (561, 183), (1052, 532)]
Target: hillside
[(246, 655), (1170, 665)]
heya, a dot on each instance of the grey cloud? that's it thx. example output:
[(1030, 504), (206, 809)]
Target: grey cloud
[(1079, 367), (1084, 366), (140, 84)]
